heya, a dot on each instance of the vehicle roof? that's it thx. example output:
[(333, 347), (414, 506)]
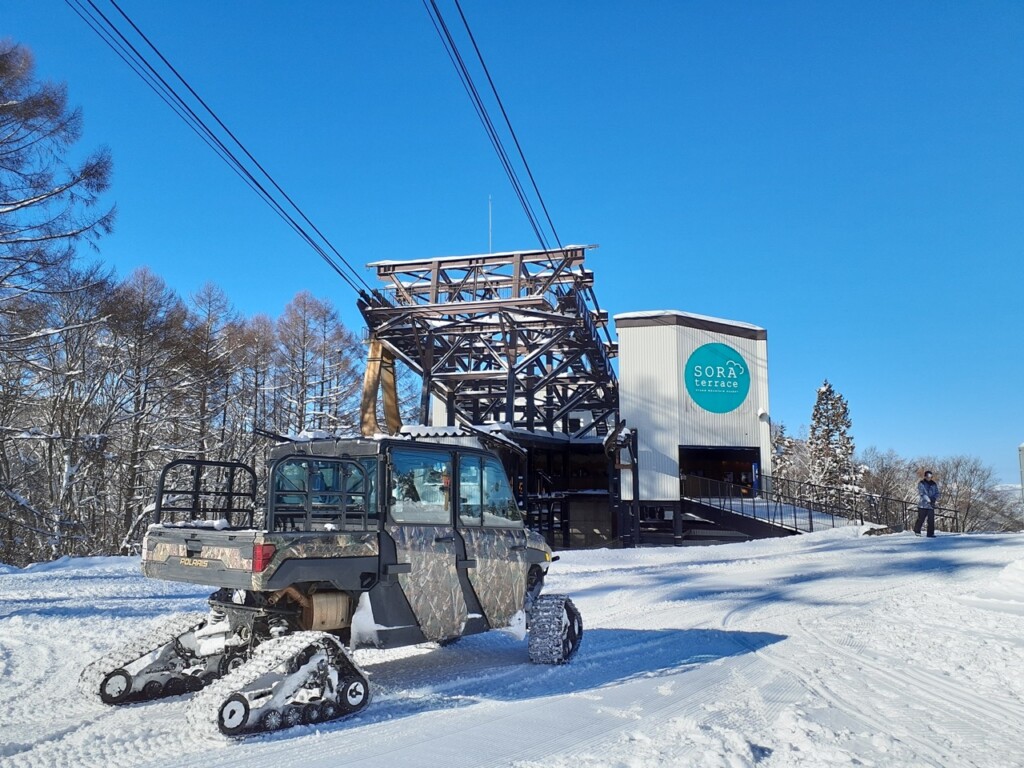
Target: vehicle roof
[(361, 447)]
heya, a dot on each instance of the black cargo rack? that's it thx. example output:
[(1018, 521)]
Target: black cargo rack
[(195, 491)]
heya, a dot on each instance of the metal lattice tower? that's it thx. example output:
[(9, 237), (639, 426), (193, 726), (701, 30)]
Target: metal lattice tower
[(514, 338)]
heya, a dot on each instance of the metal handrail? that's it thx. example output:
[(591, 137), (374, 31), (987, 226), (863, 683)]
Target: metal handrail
[(806, 507), (865, 507)]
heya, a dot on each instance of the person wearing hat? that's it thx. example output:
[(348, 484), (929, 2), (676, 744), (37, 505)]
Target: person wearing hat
[(927, 498)]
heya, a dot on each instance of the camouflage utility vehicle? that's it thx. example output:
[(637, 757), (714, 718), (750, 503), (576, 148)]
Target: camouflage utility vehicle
[(354, 542)]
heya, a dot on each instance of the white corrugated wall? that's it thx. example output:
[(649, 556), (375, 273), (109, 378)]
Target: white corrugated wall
[(649, 400), (653, 399)]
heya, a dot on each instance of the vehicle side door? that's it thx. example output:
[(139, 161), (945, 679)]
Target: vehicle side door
[(492, 527), (420, 521)]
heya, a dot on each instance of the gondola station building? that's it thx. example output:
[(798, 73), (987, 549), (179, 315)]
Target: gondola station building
[(696, 390)]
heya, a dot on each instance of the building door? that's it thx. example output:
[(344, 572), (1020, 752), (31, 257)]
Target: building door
[(718, 470)]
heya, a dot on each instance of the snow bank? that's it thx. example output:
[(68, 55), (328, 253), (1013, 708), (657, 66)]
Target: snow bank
[(1004, 593)]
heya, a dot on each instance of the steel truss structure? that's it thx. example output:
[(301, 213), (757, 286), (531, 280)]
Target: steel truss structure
[(515, 338)]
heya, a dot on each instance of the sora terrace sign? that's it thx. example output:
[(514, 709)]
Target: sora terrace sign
[(717, 378)]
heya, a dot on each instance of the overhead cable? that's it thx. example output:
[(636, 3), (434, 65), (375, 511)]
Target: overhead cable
[(481, 110), (275, 197), (448, 41), (508, 122)]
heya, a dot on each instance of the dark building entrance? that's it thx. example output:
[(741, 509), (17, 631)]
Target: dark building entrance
[(741, 466)]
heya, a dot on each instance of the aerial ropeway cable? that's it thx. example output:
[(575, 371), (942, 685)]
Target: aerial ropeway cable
[(466, 77), (247, 166), (508, 123), (464, 74), (195, 112)]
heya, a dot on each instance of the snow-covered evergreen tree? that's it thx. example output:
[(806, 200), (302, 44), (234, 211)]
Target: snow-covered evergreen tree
[(783, 460), (829, 444), (782, 452)]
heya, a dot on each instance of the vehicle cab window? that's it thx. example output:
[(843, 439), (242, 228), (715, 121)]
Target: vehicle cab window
[(485, 497), (315, 494), (499, 505), (470, 491), (420, 487)]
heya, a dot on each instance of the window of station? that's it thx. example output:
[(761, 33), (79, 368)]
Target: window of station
[(722, 470)]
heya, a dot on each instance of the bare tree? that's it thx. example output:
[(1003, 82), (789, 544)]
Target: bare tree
[(969, 487), (318, 367), (209, 363), (889, 474), (47, 205), (250, 407), (53, 442), (146, 322)]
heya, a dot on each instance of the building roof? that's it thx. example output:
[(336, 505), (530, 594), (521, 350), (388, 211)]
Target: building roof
[(690, 320)]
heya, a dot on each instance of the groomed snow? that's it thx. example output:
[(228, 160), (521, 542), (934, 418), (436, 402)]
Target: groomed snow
[(820, 650)]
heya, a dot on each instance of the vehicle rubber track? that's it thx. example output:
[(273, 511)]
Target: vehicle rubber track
[(96, 673), (305, 677), (556, 629)]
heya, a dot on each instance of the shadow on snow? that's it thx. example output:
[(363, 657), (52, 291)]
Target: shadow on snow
[(495, 667)]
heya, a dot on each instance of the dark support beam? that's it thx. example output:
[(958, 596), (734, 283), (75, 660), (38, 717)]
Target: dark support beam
[(510, 382), (486, 330), (634, 451), (427, 376)]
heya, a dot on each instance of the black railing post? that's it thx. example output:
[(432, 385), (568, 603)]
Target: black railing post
[(635, 506), (677, 516), (677, 525)]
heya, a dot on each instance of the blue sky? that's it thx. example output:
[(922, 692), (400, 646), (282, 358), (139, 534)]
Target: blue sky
[(848, 175)]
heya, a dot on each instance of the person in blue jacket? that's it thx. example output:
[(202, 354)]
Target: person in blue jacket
[(927, 498)]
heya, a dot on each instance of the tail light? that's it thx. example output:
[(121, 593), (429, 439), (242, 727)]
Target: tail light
[(262, 554)]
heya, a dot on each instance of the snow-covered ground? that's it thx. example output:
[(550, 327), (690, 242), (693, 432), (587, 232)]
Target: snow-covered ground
[(825, 649)]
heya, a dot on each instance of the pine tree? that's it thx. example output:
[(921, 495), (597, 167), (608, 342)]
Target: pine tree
[(783, 459), (829, 444)]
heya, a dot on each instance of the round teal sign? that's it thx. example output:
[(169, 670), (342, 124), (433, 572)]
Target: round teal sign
[(717, 378)]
